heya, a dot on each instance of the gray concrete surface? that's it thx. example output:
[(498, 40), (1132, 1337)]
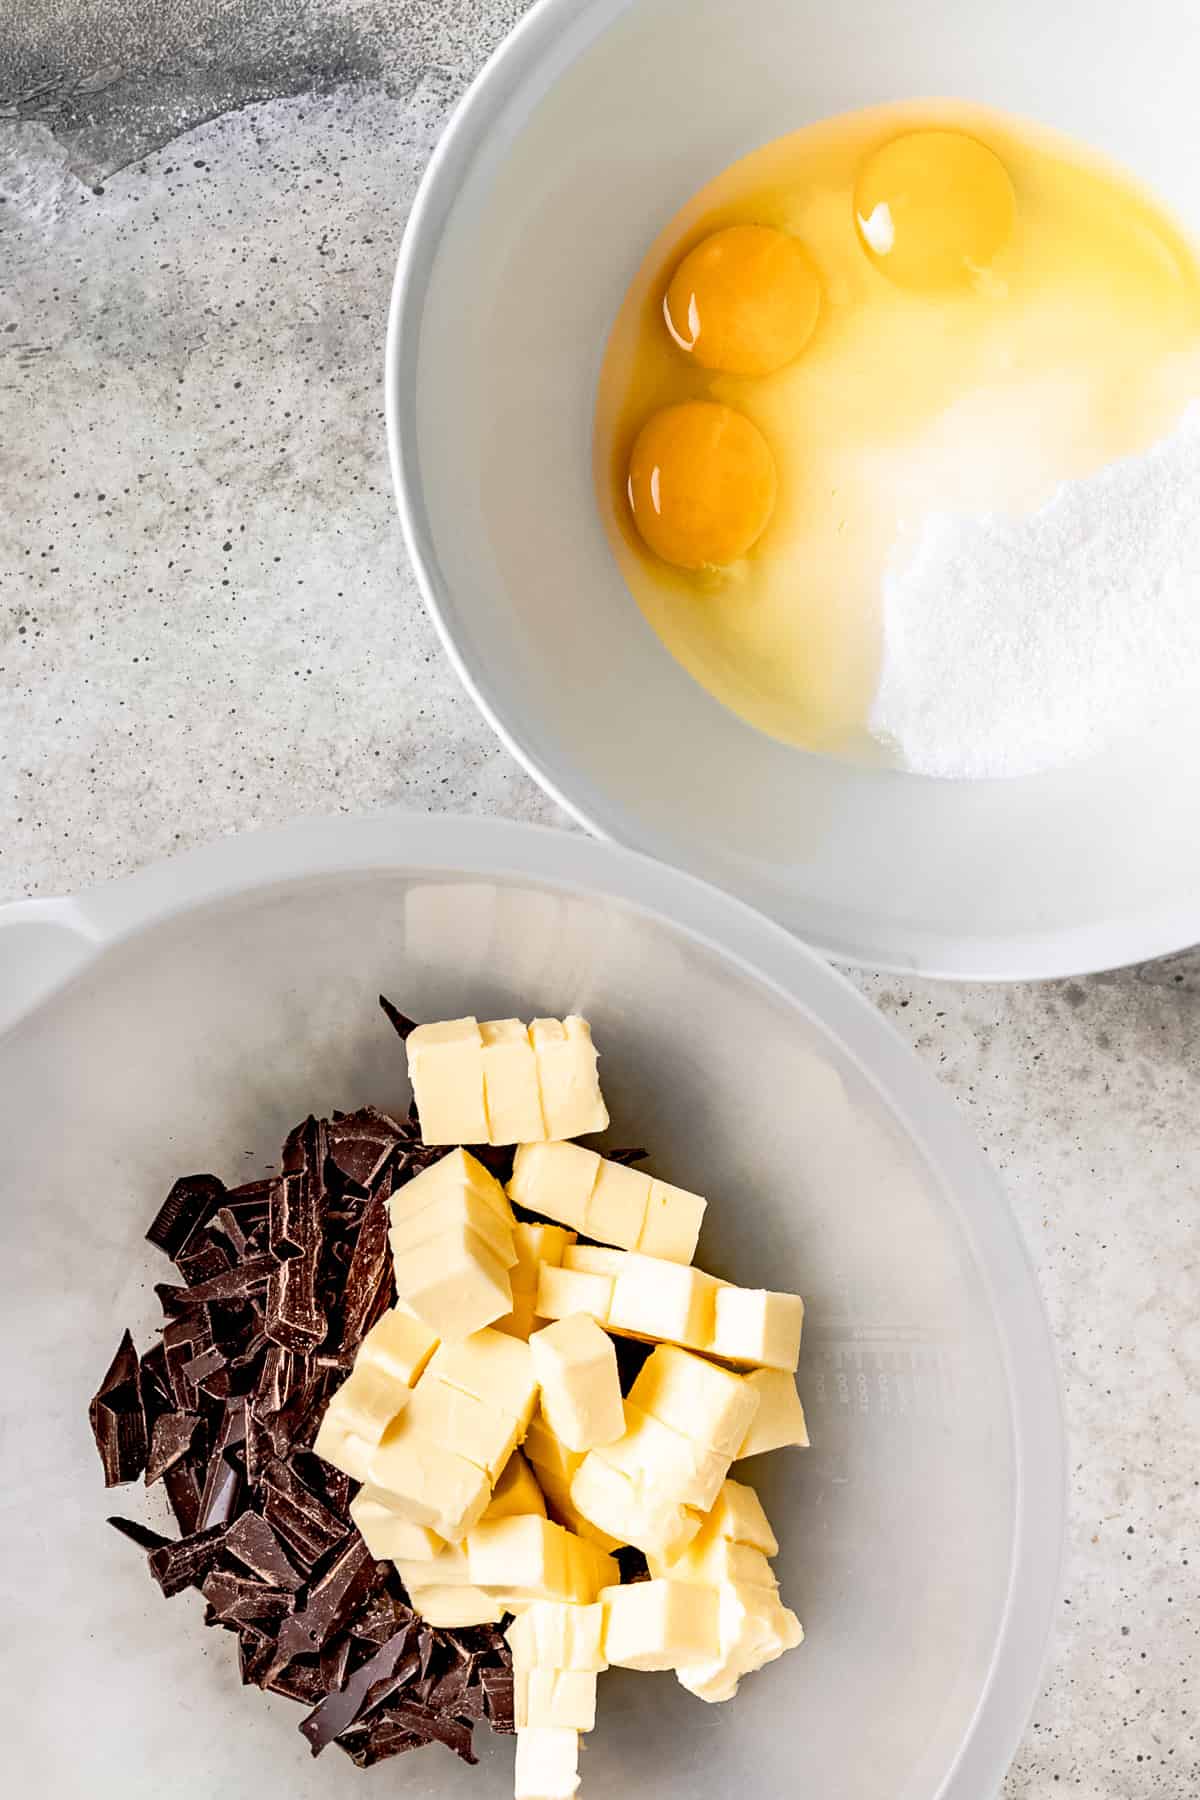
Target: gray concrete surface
[(207, 624)]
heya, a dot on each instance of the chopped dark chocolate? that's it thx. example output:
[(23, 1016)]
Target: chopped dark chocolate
[(174, 1435), (342, 1707), (398, 1020), (279, 1281), (117, 1420)]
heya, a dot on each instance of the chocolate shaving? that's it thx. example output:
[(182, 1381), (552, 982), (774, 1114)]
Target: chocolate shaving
[(189, 1205), (117, 1420), (279, 1280)]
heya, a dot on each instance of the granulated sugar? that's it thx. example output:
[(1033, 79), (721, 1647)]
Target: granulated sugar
[(1013, 644)]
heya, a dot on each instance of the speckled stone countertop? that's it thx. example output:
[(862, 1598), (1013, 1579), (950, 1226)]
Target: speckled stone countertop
[(207, 624)]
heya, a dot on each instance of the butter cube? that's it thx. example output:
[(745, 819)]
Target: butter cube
[(553, 1634), (576, 1365), (562, 1292), (445, 1066), (695, 1397), (534, 1245), (454, 1608), (462, 1424), (616, 1208), (662, 1463), (588, 1569), (547, 1452), (492, 1368), (387, 1536), (368, 1401), (523, 1320), (739, 1516), (447, 1569), (756, 1328), (399, 1344), (454, 1283), (337, 1445), (655, 1299), (516, 1493), (564, 1699), (547, 1764), (672, 1225), (566, 1062), (457, 1172), (520, 1554), (555, 1180), (510, 1084), (660, 1625), (454, 1192), (712, 1560), (427, 1485), (779, 1420), (556, 1467), (451, 1214), (608, 1498), (593, 1259), (754, 1629)]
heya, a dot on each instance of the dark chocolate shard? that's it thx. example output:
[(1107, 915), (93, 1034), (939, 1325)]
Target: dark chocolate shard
[(200, 1369), (342, 1707), (154, 1387), (250, 1277), (251, 1542), (290, 1226), (189, 1205), (186, 1563), (294, 1511), (360, 1144), (141, 1535), (335, 1662), (369, 1278), (174, 1435), (117, 1420), (255, 1650), (299, 1680), (383, 1616), (184, 1489), (497, 1685), (203, 1260), (330, 1603), (237, 1600), (399, 1021), (295, 1317), (627, 1157), (433, 1728)]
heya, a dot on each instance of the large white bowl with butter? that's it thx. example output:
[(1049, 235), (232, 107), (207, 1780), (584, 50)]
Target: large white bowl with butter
[(184, 1019), (581, 139)]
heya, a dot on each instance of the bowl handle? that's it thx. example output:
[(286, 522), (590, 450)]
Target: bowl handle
[(42, 944)]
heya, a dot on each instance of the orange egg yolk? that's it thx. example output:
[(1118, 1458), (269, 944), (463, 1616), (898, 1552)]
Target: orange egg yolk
[(934, 209), (701, 484), (744, 301)]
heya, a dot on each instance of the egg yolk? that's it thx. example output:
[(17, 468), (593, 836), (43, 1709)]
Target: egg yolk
[(934, 208), (701, 484), (745, 301)]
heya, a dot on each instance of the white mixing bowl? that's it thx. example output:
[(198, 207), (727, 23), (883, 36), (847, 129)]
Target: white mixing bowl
[(583, 136), (216, 999)]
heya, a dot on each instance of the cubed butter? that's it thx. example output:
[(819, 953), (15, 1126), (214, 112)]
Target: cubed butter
[(547, 1452), (593, 1259), (387, 1536), (609, 1500), (709, 1404), (739, 1516), (576, 1365), (528, 1554), (563, 1699), (450, 1212), (536, 1244), (368, 1401), (755, 1328), (399, 1344), (779, 1420), (672, 1225), (616, 1208), (553, 1634), (660, 1625), (460, 1423), (445, 1066), (512, 1098), (754, 1628), (457, 1172), (492, 1368), (547, 1764), (664, 1465), (562, 1292), (712, 1560), (454, 1608), (428, 1486), (447, 1569), (523, 1320), (516, 1493), (563, 1511), (572, 1103), (662, 1300), (555, 1180), (336, 1444), (454, 1282), (589, 1569)]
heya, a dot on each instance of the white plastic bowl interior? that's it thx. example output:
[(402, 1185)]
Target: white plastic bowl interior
[(586, 132), (216, 999)]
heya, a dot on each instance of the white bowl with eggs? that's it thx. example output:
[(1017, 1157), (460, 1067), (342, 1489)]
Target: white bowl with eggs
[(584, 135)]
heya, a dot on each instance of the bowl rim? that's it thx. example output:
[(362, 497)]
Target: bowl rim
[(1160, 929), (762, 951)]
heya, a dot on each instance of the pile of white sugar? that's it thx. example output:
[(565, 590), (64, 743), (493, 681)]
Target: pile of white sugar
[(1017, 644)]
